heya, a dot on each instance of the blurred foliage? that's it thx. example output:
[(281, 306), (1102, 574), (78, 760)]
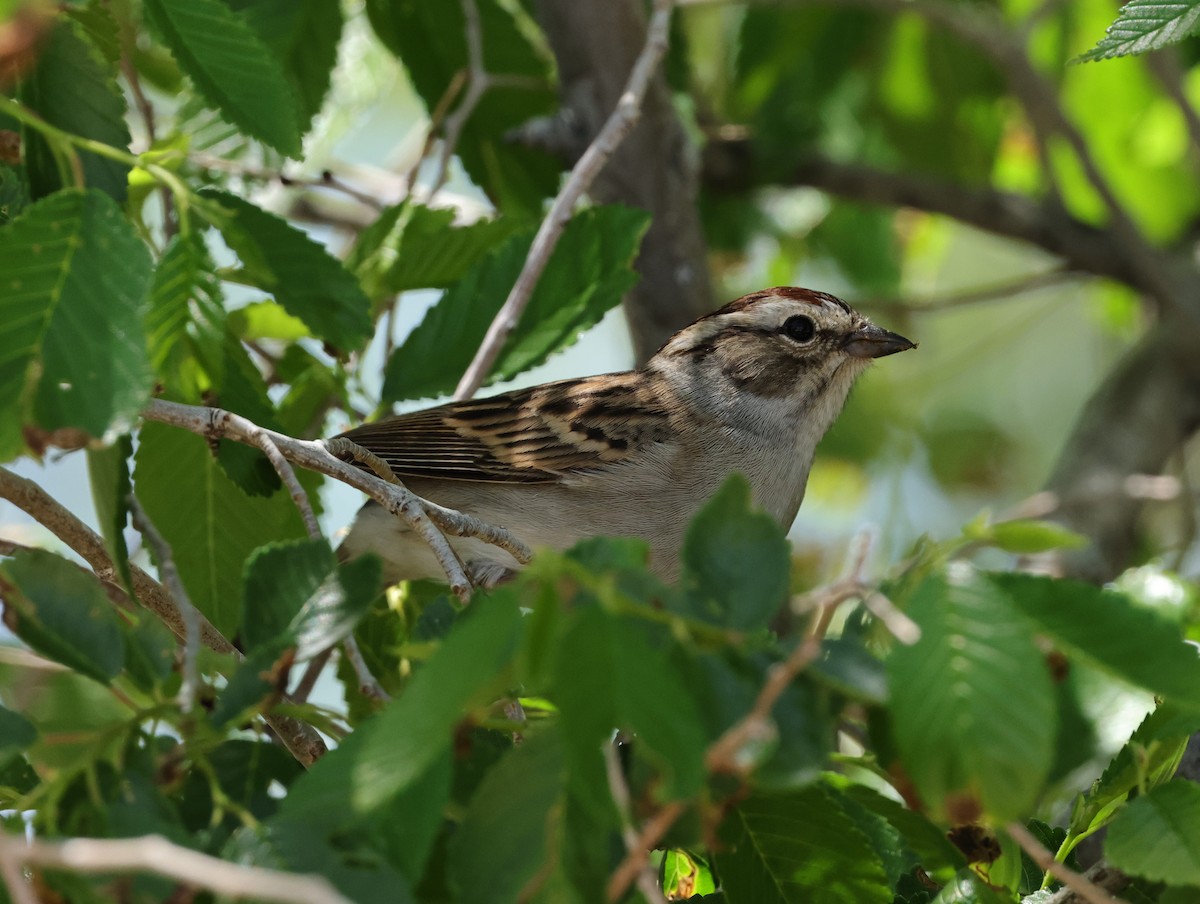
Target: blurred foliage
[(530, 734)]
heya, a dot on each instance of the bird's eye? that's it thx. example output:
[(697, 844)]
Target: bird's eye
[(799, 328)]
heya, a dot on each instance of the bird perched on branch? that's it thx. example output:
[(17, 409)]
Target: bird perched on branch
[(751, 387)]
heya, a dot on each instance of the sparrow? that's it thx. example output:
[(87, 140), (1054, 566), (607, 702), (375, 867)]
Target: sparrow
[(750, 388)]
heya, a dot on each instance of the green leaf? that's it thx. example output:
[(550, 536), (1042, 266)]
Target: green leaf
[(1145, 25), (726, 685), (799, 848), (430, 40), (16, 733), (296, 594), (304, 35), (74, 88), (266, 320), (411, 246), (927, 841), (17, 779), (108, 474), (610, 677), (503, 838), (1029, 537), (186, 323), (210, 524), (350, 862), (149, 653), (231, 68), (1149, 758), (281, 579), (1158, 836), (736, 560), (973, 708), (849, 668), (73, 282), (386, 755), (589, 271), (61, 612), (1107, 628), (249, 685), (968, 888), (304, 278)]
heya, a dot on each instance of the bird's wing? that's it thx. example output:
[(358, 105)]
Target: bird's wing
[(537, 435)]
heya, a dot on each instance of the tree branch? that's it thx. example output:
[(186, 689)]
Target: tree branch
[(423, 517), (626, 113), (595, 43), (156, 855), (188, 612), (301, 739), (1085, 889), (1146, 408)]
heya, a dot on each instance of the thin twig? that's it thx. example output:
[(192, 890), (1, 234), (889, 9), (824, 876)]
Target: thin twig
[(308, 680), (316, 455), (823, 600), (158, 856), (20, 891), (984, 294), (725, 755), (301, 739), (288, 475), (448, 520), (632, 866), (190, 614), (620, 122), (647, 882), (1045, 861), (478, 83), (366, 681), (367, 684), (327, 178)]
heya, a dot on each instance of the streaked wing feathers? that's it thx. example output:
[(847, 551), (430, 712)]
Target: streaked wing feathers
[(536, 435)]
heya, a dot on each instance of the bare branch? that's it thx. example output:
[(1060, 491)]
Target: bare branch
[(1045, 861), (632, 867), (317, 456), (477, 86), (190, 614), (301, 739), (596, 44), (38, 504), (998, 292), (156, 855), (19, 890), (647, 882), (366, 681), (1101, 875), (1141, 414), (619, 124)]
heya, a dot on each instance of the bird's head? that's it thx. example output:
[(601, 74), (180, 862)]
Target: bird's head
[(785, 346)]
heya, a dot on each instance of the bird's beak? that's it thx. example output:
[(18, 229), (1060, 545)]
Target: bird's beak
[(874, 342)]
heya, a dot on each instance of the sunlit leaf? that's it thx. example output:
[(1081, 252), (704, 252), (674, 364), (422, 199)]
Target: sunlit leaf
[(1145, 25)]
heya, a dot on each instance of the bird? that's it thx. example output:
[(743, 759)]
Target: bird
[(749, 388)]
